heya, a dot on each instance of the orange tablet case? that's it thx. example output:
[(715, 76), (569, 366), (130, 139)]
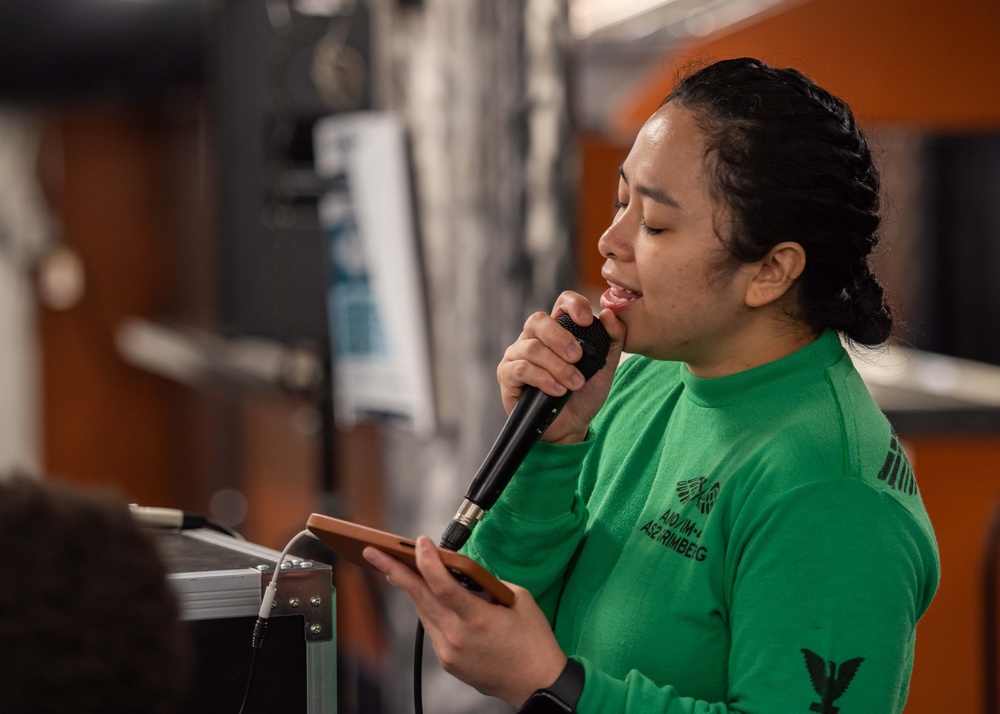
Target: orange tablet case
[(348, 540)]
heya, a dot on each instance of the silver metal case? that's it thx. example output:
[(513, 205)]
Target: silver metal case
[(219, 581)]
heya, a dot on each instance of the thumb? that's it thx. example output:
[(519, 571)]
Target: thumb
[(616, 331)]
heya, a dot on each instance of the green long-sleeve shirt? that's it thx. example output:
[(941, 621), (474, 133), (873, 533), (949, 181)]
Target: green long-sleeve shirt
[(752, 543)]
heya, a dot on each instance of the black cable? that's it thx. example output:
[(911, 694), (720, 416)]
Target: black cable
[(246, 693), (418, 662), (258, 638), (220, 528), (266, 603), (418, 641)]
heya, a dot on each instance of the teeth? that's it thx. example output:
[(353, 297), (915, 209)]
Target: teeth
[(623, 290)]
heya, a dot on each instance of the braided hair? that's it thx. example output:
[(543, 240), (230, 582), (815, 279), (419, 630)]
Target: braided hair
[(789, 161)]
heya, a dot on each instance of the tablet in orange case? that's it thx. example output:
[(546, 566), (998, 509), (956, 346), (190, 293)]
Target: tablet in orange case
[(348, 540)]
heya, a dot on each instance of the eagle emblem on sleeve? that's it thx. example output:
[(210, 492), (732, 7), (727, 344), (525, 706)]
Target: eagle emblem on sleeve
[(829, 680)]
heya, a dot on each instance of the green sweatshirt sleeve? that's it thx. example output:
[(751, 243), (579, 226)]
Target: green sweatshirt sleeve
[(825, 587), (531, 534)]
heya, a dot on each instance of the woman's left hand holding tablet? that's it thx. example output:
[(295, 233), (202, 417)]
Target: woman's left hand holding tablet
[(506, 652)]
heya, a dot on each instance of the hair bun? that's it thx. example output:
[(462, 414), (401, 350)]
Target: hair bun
[(869, 319)]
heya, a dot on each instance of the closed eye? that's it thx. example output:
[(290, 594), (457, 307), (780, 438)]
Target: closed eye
[(619, 205)]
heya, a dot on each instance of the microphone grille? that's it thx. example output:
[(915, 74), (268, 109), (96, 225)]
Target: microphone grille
[(594, 340)]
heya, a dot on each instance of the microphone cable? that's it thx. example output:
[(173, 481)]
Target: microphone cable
[(418, 653), (266, 601), (418, 657)]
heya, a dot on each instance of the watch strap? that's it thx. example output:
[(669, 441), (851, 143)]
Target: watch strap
[(569, 684)]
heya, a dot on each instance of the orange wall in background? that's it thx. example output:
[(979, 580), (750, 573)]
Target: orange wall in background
[(959, 478), (925, 63), (108, 424)]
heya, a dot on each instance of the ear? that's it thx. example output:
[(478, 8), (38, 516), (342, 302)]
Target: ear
[(775, 274)]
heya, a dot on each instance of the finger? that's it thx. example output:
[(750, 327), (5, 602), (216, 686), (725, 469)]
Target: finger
[(543, 327), (616, 331), (396, 572), (431, 613), (576, 306), (440, 581), (532, 362)]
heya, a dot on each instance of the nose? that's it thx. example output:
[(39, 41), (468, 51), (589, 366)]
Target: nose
[(614, 242)]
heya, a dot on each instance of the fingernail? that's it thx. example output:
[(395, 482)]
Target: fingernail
[(577, 380), (424, 544), (573, 352)]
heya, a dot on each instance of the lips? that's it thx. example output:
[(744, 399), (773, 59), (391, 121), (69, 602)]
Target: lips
[(618, 297)]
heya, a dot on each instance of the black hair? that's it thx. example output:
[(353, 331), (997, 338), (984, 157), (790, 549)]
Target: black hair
[(88, 622), (790, 162)]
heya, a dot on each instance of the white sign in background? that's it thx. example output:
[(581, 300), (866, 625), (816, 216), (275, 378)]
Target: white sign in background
[(376, 302)]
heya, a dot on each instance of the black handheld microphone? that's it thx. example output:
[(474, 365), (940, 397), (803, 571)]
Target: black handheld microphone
[(528, 420)]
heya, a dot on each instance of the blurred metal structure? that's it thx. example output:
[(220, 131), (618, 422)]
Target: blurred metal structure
[(928, 393), (484, 90), (209, 361), (619, 41), (274, 72), (62, 50)]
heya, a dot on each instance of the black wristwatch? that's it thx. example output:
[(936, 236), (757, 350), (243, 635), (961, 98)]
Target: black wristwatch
[(561, 696)]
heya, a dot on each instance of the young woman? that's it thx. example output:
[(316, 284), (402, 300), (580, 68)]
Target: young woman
[(724, 522)]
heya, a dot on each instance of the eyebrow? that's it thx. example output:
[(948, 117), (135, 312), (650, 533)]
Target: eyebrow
[(657, 194)]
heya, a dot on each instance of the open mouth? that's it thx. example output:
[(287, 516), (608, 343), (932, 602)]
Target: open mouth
[(618, 297)]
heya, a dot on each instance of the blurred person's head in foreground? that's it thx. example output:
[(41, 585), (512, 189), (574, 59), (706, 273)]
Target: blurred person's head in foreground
[(88, 623)]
